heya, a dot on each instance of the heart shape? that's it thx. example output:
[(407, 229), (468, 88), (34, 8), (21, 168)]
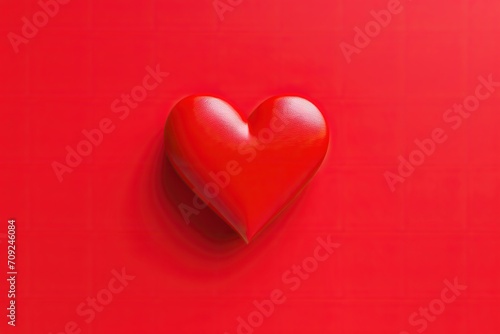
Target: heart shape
[(247, 172)]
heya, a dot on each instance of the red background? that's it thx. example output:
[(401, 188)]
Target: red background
[(119, 207)]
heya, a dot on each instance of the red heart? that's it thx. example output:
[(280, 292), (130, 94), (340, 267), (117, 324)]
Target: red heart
[(247, 172)]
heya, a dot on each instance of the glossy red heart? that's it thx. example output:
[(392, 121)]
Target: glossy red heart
[(246, 171)]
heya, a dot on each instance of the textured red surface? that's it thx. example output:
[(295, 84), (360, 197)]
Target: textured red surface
[(118, 208)]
